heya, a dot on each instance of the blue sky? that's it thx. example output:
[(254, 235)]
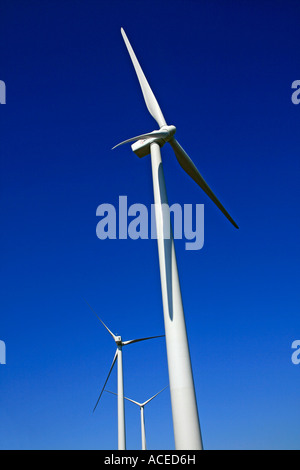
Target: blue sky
[(222, 73)]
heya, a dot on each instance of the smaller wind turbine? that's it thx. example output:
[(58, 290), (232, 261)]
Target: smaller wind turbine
[(141, 405), (118, 355)]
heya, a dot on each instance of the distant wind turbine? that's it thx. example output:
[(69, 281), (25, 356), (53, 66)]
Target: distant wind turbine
[(186, 423), (118, 356), (141, 406)]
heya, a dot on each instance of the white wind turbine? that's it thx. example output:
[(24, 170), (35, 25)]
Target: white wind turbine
[(186, 424), (118, 356), (141, 406)]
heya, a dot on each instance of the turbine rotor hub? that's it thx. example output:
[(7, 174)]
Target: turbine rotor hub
[(171, 131), (118, 340), (142, 147)]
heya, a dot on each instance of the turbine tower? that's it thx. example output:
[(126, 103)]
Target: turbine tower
[(141, 406), (119, 356), (186, 424)]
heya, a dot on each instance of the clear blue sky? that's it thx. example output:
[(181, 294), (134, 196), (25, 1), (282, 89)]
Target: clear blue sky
[(222, 73)]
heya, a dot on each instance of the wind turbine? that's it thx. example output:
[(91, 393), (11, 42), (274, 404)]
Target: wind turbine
[(119, 356), (186, 424), (142, 405)]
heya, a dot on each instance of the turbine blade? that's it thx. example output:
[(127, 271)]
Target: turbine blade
[(145, 403), (124, 343), (101, 321), (186, 163), (129, 399), (150, 100), (159, 134), (111, 368)]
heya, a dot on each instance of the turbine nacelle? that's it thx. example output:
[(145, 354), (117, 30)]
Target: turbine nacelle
[(143, 142), (118, 340), (142, 147)]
